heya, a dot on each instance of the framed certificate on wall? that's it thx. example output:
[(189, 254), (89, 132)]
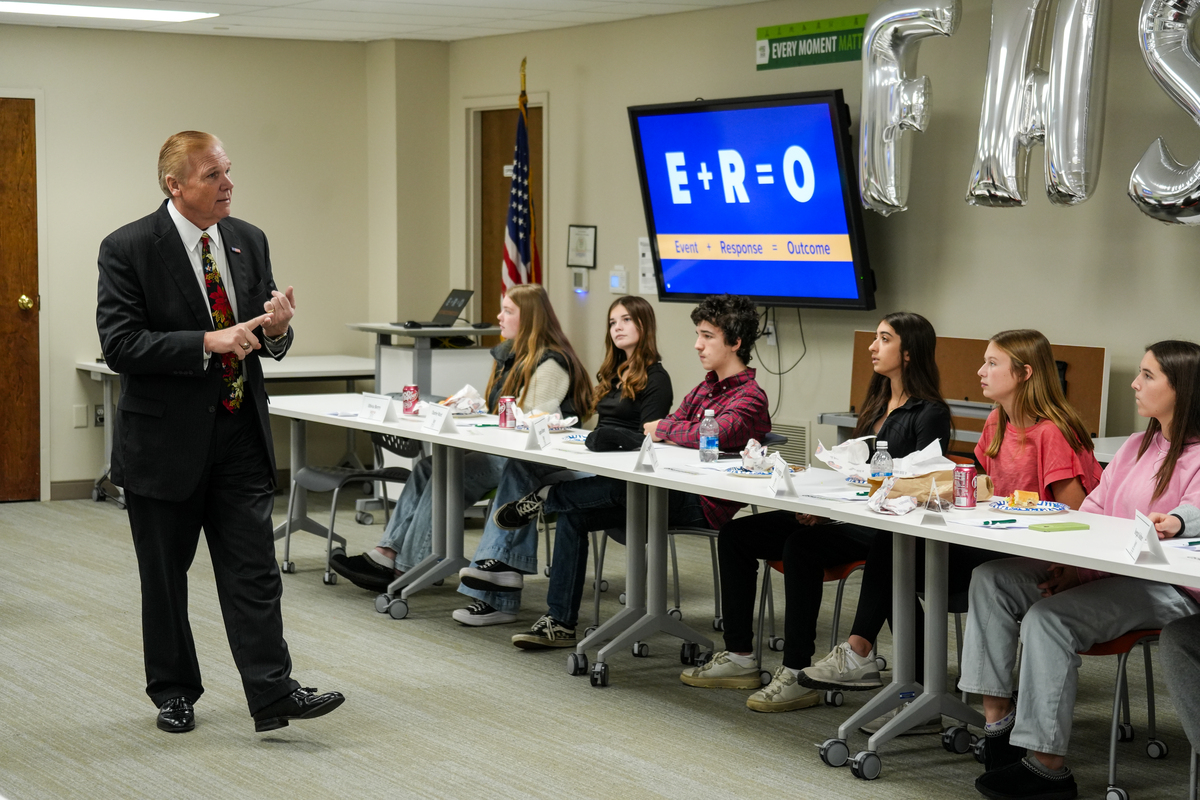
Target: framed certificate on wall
[(581, 246)]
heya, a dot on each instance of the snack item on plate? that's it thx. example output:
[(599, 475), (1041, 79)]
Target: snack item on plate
[(1022, 499)]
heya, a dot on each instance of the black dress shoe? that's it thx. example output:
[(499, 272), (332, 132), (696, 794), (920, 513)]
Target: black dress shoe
[(363, 572), (176, 716), (300, 704)]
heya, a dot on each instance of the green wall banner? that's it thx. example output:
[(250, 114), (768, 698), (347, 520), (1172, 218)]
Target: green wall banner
[(800, 44)]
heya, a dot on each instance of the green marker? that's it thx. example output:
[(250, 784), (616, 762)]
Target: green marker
[(1000, 522)]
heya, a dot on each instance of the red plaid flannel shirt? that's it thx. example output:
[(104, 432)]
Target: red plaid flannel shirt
[(742, 412)]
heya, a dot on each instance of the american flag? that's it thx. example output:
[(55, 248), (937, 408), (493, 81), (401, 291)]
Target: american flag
[(521, 262)]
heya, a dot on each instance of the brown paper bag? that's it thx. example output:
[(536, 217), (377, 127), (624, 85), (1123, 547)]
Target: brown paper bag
[(919, 487)]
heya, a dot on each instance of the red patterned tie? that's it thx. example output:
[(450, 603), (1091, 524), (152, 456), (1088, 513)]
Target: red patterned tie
[(222, 314)]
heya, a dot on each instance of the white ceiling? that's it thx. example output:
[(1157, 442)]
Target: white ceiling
[(366, 20)]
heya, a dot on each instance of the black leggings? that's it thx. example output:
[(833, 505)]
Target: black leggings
[(805, 552)]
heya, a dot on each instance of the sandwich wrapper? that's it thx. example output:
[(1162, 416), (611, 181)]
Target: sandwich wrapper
[(557, 421), (466, 400), (912, 475), (755, 457)]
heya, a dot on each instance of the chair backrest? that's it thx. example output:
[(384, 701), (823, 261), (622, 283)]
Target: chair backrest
[(405, 448), (772, 439)]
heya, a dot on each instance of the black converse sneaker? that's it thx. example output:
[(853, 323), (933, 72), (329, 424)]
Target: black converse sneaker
[(491, 576), (480, 613), (545, 633), (518, 513)]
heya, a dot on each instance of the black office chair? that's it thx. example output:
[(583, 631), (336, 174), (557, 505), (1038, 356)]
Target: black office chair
[(332, 479)]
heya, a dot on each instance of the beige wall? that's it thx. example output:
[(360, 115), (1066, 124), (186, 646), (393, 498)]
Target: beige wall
[(1100, 274)]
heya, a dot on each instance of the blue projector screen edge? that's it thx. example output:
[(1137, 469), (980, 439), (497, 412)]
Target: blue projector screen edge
[(754, 196)]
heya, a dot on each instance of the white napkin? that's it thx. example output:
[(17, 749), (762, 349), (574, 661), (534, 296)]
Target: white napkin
[(755, 457), (466, 400)]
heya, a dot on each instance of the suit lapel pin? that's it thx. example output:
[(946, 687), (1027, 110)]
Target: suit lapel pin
[(237, 250)]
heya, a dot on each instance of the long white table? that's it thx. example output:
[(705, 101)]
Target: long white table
[(1101, 547)]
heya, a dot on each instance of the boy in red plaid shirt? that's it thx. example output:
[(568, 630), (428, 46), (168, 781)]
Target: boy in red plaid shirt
[(726, 328)]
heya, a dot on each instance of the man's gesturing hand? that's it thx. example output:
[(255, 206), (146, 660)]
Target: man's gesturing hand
[(238, 339), (281, 308)]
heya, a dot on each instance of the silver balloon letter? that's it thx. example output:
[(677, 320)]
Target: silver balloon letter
[(893, 99), (1023, 105), (1160, 186)]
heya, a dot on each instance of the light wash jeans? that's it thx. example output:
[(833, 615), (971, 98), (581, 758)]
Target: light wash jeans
[(410, 530), (1005, 601), (518, 549)]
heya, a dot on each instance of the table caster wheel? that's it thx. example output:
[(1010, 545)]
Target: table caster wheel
[(398, 609), (289, 567), (641, 650), (577, 664), (688, 652), (675, 613), (866, 765), (1124, 732), (621, 598), (881, 663), (1157, 748), (718, 623), (382, 602), (834, 698), (599, 674), (329, 578), (764, 677), (834, 752), (776, 644), (979, 750), (588, 631), (364, 518), (957, 740), (1116, 793)]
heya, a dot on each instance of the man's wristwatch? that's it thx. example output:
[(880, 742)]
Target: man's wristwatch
[(276, 339)]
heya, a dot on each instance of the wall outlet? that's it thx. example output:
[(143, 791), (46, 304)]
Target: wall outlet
[(99, 416), (771, 334), (80, 415)]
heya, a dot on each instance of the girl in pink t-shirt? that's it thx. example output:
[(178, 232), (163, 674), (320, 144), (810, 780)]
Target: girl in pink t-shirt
[(1060, 611), (1034, 440)]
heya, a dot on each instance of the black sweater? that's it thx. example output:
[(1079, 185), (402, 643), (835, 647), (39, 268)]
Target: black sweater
[(620, 419), (913, 426)]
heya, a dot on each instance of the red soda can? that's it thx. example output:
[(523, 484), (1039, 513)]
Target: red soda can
[(508, 419), (409, 397), (964, 486)]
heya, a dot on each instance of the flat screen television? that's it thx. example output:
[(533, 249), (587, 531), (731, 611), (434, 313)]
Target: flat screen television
[(754, 196)]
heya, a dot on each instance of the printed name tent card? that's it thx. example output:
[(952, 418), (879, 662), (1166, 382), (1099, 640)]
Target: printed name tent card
[(933, 506), (647, 460), (439, 420), (539, 433), (1144, 547), (378, 408), (781, 479)]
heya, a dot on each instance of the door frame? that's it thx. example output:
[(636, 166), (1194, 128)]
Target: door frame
[(39, 136), (466, 210)]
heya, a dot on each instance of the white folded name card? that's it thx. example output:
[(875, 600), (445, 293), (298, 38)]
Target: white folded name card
[(781, 479), (378, 408), (647, 460), (539, 433), (440, 420), (1144, 547)]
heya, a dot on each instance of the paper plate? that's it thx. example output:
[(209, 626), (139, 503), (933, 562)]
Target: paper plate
[(1041, 509), (857, 482), (579, 439), (742, 472)]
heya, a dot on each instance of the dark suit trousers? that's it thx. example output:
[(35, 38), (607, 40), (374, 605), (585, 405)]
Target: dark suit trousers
[(232, 503)]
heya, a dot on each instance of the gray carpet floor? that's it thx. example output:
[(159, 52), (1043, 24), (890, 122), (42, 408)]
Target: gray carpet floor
[(433, 709)]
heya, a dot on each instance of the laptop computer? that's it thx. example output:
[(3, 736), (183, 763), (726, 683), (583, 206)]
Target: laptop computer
[(452, 306)]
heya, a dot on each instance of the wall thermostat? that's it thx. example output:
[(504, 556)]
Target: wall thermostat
[(579, 281), (618, 283)]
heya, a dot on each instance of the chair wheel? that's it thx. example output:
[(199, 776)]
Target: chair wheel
[(588, 631), (702, 658), (688, 652), (718, 623), (776, 644), (675, 613), (866, 765), (329, 578), (957, 740), (979, 750), (382, 602), (577, 663), (1157, 748), (881, 663), (1124, 732), (834, 698), (364, 518), (1116, 793), (546, 572), (397, 609), (288, 566), (97, 497), (439, 583), (368, 488), (641, 650), (834, 752), (599, 676), (764, 677), (621, 598)]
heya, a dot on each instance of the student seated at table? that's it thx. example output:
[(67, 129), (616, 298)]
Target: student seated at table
[(726, 327), (535, 364), (1180, 640), (1033, 441), (1061, 610), (903, 407), (632, 388)]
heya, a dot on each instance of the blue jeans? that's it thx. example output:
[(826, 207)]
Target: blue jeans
[(518, 549), (410, 530), (593, 504)]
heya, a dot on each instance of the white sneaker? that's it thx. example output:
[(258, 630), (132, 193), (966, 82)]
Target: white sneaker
[(932, 726), (783, 693), (722, 672), (842, 669), (480, 613)]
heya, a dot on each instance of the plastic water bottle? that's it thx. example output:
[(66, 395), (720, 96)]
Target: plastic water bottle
[(881, 462), (708, 436)]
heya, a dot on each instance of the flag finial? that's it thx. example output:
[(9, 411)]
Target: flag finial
[(522, 76)]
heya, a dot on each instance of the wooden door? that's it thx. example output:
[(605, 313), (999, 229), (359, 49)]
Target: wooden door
[(498, 131), (20, 426)]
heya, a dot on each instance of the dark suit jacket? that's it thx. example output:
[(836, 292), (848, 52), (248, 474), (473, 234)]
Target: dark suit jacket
[(152, 315)]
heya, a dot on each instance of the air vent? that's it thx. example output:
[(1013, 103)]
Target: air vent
[(796, 449)]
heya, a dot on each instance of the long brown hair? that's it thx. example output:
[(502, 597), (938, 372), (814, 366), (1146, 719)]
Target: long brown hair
[(1180, 365), (631, 370), (539, 332), (1041, 396), (918, 371)]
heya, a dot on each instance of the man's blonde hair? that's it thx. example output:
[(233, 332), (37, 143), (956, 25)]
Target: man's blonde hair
[(174, 157)]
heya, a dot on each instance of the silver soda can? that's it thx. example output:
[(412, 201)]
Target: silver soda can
[(964, 486), (505, 410), (410, 395)]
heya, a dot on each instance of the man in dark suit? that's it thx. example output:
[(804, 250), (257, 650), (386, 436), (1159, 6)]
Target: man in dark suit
[(179, 312)]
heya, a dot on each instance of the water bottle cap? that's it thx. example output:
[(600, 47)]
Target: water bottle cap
[(708, 412), (880, 444)]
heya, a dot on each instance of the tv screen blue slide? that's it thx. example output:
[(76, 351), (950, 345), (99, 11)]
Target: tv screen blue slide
[(755, 197)]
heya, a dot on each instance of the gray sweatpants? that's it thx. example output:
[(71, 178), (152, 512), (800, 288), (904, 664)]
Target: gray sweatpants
[(1180, 648), (1005, 601)]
